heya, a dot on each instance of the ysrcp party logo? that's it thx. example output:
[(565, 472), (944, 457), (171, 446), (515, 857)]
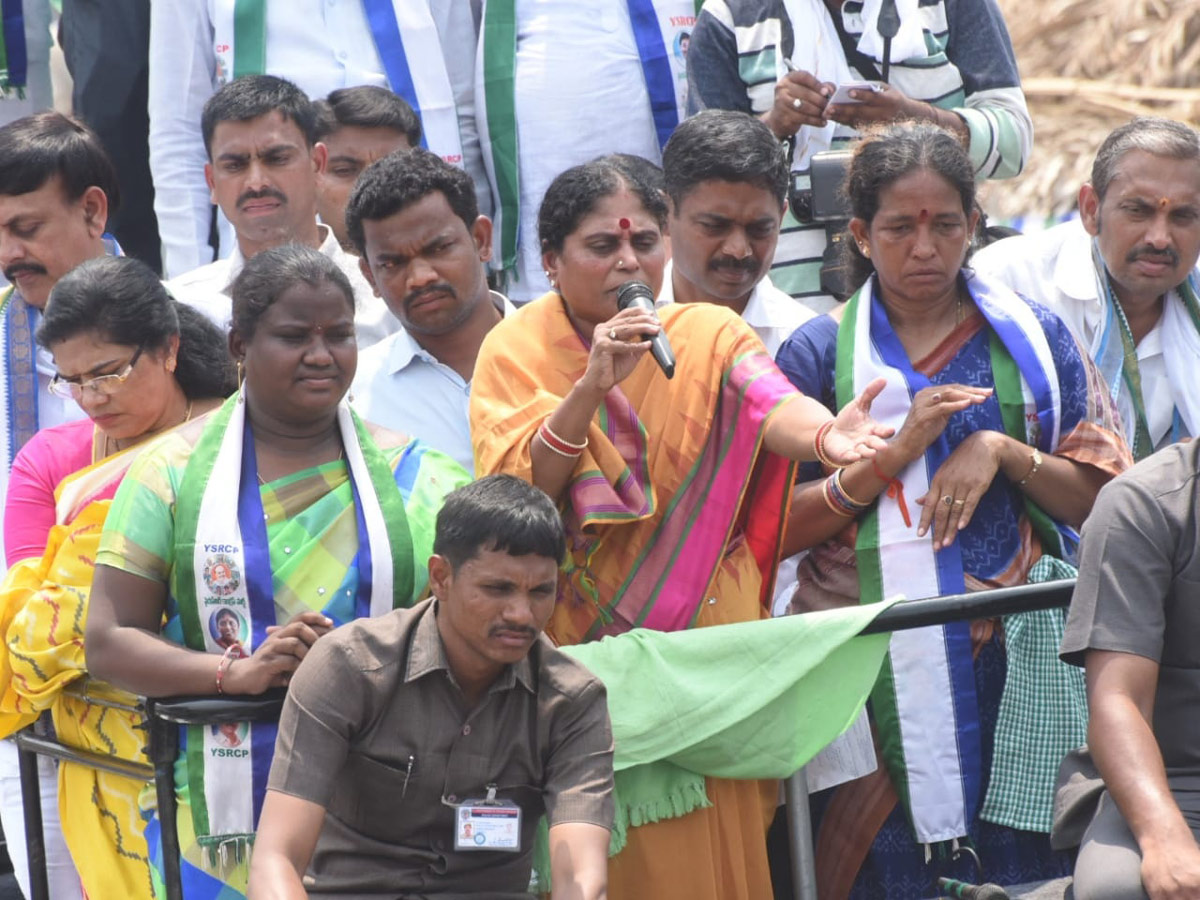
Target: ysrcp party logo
[(221, 575)]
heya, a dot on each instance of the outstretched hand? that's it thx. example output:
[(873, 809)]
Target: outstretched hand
[(855, 435)]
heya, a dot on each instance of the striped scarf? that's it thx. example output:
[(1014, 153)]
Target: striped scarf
[(224, 567), (924, 702), (409, 48)]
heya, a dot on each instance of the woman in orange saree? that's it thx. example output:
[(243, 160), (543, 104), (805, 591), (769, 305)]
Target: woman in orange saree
[(674, 489)]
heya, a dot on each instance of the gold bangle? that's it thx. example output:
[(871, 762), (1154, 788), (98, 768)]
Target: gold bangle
[(1036, 458)]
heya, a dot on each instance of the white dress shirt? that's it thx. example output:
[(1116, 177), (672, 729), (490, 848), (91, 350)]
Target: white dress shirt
[(207, 289), (1055, 268), (773, 314), (320, 45), (577, 62), (401, 386)]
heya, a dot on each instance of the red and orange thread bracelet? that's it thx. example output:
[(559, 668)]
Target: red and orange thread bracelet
[(819, 446), (895, 490)]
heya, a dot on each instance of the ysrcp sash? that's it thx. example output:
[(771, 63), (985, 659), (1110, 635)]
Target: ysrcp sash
[(924, 703), (659, 30), (18, 374), (224, 571), (409, 48)]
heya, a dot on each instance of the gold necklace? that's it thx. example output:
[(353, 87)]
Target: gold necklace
[(341, 455), (104, 451)]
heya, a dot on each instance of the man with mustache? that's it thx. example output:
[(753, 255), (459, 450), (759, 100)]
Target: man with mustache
[(263, 165), (1124, 277), (401, 731), (423, 246), (727, 188), (57, 189)]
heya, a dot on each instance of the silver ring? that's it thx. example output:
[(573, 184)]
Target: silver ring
[(797, 103), (948, 500), (612, 334)]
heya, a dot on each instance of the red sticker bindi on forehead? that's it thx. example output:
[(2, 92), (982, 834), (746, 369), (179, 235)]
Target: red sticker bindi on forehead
[(623, 224)]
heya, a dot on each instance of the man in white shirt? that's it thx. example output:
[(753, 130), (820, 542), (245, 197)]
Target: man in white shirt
[(358, 125), (423, 49), (262, 171), (424, 246), (1124, 277), (726, 180), (559, 83), (57, 188)]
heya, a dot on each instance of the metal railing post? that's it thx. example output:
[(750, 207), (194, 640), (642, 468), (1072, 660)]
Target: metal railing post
[(164, 747), (800, 837), (35, 838)]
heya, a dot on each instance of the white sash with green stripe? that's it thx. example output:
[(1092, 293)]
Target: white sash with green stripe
[(924, 703), (409, 46), (229, 571)]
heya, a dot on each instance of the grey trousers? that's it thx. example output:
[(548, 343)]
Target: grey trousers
[(1109, 866)]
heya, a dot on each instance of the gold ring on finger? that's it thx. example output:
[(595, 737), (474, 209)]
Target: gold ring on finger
[(797, 104), (960, 502), (612, 334), (948, 500)]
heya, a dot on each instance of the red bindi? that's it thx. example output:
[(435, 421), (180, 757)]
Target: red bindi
[(923, 216), (623, 224), (1163, 203)]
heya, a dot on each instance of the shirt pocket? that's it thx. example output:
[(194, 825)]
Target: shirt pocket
[(384, 800)]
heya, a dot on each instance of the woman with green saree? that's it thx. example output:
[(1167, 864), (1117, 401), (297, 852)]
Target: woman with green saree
[(280, 519)]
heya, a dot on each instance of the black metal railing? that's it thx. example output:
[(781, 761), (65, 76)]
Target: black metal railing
[(165, 715)]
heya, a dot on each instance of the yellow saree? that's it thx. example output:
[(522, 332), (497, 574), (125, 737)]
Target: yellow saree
[(43, 608)]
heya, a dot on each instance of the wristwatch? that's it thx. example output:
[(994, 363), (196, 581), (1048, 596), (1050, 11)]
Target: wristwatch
[(1036, 458)]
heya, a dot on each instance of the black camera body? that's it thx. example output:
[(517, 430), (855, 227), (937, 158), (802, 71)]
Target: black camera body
[(824, 202)]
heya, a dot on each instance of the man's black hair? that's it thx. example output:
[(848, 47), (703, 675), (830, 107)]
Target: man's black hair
[(501, 513), (36, 148), (252, 96), (367, 106), (399, 180), (723, 145)]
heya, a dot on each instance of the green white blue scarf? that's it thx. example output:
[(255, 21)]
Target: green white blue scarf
[(496, 116), (224, 563), (409, 48), (1115, 353), (924, 702)]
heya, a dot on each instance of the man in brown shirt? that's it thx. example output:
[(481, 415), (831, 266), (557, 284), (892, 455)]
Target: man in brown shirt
[(413, 744)]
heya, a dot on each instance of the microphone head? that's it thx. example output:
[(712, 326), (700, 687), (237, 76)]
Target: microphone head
[(631, 291), (991, 892)]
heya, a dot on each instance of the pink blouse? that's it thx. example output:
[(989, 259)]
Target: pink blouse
[(50, 456)]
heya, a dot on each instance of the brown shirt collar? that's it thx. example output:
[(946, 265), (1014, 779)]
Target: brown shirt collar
[(426, 654)]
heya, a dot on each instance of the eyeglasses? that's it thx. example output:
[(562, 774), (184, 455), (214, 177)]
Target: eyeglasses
[(105, 385)]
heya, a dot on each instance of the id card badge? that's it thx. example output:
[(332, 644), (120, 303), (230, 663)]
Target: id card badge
[(487, 824)]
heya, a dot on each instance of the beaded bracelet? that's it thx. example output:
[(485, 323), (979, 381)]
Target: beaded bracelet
[(557, 444), (831, 501), (840, 498), (233, 652), (819, 447)]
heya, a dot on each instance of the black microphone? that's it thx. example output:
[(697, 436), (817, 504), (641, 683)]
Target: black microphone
[(966, 891), (637, 293), (888, 26)]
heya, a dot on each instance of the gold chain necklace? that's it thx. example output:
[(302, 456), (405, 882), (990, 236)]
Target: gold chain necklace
[(341, 455), (104, 451)]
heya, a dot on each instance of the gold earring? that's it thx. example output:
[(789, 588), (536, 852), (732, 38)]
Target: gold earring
[(865, 250), (241, 375)]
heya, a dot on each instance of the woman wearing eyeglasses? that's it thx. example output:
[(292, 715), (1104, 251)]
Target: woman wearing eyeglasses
[(140, 365)]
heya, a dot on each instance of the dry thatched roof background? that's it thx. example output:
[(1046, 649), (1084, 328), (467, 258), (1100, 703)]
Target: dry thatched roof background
[(1088, 66)]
